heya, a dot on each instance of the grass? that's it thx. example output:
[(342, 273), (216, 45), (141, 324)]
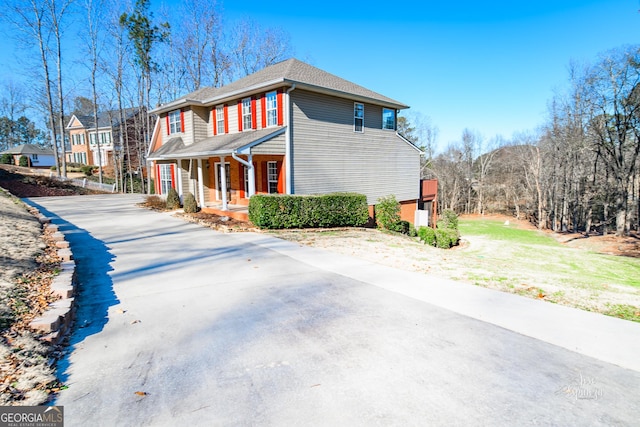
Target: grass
[(497, 230)]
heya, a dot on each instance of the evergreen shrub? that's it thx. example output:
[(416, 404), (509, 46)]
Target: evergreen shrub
[(173, 200), (190, 204)]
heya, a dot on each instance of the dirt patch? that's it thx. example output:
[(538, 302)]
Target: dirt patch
[(25, 185)]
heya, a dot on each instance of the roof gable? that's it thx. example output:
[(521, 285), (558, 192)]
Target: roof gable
[(290, 72)]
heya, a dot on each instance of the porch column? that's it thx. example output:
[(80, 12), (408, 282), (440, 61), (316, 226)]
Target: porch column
[(223, 183), (252, 176), (179, 178), (200, 184)]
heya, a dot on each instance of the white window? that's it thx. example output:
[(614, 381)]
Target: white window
[(105, 138), (220, 119), (34, 158), (246, 114), (165, 179), (92, 139), (175, 122), (358, 117), (272, 177), (388, 119), (272, 109)]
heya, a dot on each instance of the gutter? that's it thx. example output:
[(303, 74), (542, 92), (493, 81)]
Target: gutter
[(288, 176), (249, 165)]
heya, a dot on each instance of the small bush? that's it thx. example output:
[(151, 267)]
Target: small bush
[(401, 226), (427, 235), (87, 170), (190, 204), (446, 238), (173, 200), (388, 212), (155, 202), (23, 161), (6, 159), (275, 211), (448, 220)]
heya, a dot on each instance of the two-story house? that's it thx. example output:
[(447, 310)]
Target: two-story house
[(288, 128), (91, 146)]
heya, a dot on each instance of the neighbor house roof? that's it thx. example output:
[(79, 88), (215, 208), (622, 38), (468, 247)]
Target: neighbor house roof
[(29, 149), (106, 119), (288, 73), (216, 145)]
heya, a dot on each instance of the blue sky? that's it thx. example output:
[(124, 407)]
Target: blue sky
[(488, 66)]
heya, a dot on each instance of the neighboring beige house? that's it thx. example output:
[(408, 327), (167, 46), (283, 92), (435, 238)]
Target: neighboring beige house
[(39, 157), (89, 147), (289, 128)]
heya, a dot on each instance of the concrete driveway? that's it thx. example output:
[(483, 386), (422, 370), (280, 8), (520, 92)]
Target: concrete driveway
[(181, 325)]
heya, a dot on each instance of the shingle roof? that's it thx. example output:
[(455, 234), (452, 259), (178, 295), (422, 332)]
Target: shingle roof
[(220, 144), (107, 118), (29, 149), (291, 71)]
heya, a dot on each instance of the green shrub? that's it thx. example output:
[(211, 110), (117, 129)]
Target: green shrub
[(446, 238), (448, 220), (23, 161), (173, 200), (427, 235), (190, 204), (388, 212), (87, 170), (275, 211), (6, 159)]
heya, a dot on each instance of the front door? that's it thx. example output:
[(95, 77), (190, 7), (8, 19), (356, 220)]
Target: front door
[(227, 170)]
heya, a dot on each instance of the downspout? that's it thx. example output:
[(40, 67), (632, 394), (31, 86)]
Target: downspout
[(252, 176), (288, 171)]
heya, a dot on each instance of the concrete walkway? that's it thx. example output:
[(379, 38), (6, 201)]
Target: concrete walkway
[(179, 324)]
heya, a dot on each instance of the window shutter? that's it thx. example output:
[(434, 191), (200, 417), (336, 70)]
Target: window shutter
[(241, 180), (280, 108), (214, 118), (158, 182), (254, 120), (173, 176), (265, 177), (280, 171), (181, 121), (168, 128), (226, 119), (263, 107), (240, 115)]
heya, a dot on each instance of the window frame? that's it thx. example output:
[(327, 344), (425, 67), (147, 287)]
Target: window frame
[(247, 114), (166, 176), (220, 124), (175, 121), (246, 181), (393, 116), (358, 117), (272, 174), (271, 107)]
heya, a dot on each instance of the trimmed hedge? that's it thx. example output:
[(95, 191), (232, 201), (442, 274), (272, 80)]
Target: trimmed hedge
[(446, 238), (427, 235), (275, 211)]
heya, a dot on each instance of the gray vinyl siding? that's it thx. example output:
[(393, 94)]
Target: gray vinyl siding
[(187, 135), (232, 111), (273, 146), (329, 156), (201, 123)]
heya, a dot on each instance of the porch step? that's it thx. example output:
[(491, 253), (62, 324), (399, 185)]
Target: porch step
[(240, 215)]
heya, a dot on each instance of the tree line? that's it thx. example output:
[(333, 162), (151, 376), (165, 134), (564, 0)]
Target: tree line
[(119, 56), (578, 172)]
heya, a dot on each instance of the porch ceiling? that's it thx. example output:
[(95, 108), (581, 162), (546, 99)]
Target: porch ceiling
[(215, 145)]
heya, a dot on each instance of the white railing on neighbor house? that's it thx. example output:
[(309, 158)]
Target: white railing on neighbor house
[(85, 183)]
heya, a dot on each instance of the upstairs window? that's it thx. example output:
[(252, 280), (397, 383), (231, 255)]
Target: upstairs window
[(388, 119), (220, 119), (175, 122), (272, 109), (358, 117), (246, 114)]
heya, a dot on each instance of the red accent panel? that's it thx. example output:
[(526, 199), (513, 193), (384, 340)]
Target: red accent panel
[(254, 121), (158, 187), (240, 115), (280, 108), (214, 120), (173, 176), (280, 171), (226, 119), (263, 107), (241, 174), (181, 121), (265, 178), (168, 128)]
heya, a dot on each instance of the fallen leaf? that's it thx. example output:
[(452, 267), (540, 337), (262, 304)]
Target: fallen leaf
[(121, 311), (135, 321), (141, 393)]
